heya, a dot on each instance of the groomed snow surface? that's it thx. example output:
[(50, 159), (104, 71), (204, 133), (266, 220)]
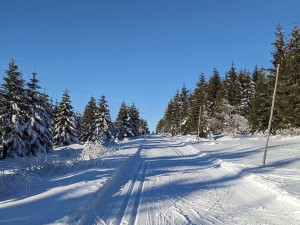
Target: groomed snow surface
[(163, 180)]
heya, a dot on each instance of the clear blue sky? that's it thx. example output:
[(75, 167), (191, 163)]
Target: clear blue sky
[(136, 50)]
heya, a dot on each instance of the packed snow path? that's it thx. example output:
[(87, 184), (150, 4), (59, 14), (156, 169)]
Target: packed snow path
[(167, 182)]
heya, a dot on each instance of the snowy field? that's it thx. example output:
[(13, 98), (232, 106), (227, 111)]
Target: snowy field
[(163, 180), (244, 155)]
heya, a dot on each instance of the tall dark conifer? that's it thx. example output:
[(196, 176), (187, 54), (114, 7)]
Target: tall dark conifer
[(12, 109), (134, 119), (198, 98), (244, 81), (260, 101), (293, 79), (88, 124), (213, 87), (184, 109), (232, 88)]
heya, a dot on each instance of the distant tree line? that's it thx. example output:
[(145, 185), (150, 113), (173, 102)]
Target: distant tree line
[(241, 101), (30, 123)]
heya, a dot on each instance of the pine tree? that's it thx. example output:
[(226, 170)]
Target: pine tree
[(89, 121), (176, 112), (216, 123), (244, 81), (38, 126), (169, 119), (213, 87), (144, 127), (134, 119), (12, 108), (198, 98), (280, 48), (123, 129), (1, 123), (293, 79), (103, 122), (184, 109), (78, 123), (65, 127), (260, 101), (161, 127), (232, 88), (254, 77)]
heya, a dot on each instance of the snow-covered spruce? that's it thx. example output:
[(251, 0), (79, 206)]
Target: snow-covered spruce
[(88, 121), (103, 123), (12, 111), (65, 126), (128, 123), (38, 127), (96, 122)]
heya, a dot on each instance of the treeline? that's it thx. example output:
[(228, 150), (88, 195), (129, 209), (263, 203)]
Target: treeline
[(31, 123), (241, 101)]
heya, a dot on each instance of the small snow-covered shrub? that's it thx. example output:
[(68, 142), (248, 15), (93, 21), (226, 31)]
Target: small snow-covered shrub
[(27, 178), (5, 180), (29, 169), (41, 164), (289, 132), (26, 173), (93, 150)]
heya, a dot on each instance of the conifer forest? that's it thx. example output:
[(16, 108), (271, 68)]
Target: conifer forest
[(239, 102), (31, 123)]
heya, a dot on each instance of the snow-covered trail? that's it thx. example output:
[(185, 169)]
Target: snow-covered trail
[(167, 182)]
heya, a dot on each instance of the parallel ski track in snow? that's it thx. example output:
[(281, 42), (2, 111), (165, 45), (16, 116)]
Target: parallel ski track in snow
[(116, 196)]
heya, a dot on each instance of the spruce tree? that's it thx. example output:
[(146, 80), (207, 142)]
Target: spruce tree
[(89, 121), (144, 127), (169, 119), (293, 79), (217, 121), (176, 112), (244, 81), (213, 87), (198, 98), (123, 128), (184, 108), (260, 101), (65, 125), (232, 88), (103, 122), (134, 119), (38, 127), (12, 108), (280, 48), (78, 123)]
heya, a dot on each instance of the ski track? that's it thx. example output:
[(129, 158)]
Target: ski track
[(167, 182)]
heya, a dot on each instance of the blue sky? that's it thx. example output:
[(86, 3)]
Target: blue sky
[(136, 50)]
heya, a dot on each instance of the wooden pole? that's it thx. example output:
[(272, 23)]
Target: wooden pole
[(271, 115), (199, 122)]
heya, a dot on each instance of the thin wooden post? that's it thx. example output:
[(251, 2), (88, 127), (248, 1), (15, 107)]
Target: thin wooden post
[(271, 116), (199, 122)]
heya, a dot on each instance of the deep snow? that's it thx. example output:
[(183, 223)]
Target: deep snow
[(164, 180)]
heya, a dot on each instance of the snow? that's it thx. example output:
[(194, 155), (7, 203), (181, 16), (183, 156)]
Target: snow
[(244, 155), (55, 195), (163, 180)]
